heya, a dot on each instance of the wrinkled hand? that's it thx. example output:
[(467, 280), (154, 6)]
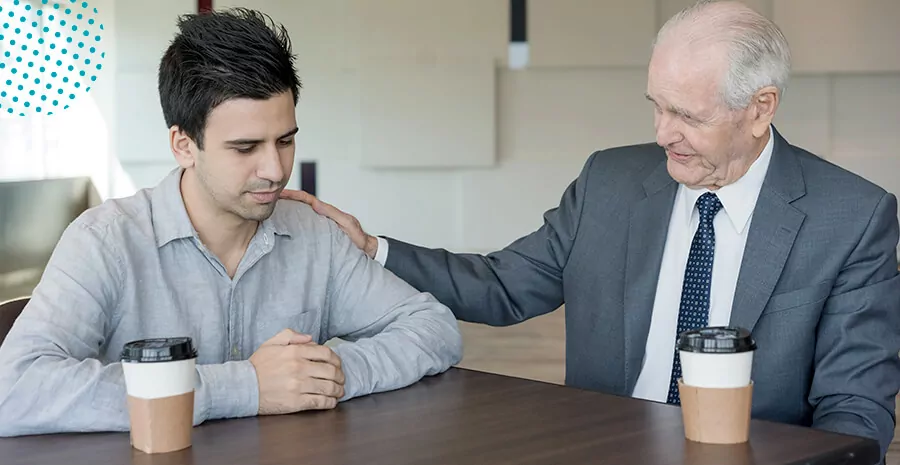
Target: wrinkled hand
[(296, 374), (348, 223)]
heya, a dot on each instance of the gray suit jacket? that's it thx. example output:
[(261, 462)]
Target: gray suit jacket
[(818, 284)]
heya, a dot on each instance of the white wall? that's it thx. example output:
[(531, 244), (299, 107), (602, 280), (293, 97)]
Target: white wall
[(582, 92), (143, 31), (73, 142)]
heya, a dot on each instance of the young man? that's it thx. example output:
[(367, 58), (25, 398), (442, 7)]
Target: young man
[(212, 254)]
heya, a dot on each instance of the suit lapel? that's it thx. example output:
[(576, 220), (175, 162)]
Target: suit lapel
[(647, 230), (773, 229)]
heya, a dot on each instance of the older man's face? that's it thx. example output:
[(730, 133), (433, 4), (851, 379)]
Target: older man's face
[(707, 144)]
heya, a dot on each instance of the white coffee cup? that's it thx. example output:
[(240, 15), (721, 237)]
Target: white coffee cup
[(716, 357), (160, 375)]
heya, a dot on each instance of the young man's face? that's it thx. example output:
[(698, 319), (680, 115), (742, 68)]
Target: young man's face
[(248, 155)]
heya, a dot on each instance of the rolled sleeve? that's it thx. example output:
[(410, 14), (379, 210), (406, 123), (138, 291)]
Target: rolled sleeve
[(396, 335), (229, 390)]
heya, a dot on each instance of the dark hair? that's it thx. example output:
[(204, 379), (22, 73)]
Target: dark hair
[(218, 56)]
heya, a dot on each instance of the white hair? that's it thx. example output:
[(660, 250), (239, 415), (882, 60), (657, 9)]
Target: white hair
[(758, 53)]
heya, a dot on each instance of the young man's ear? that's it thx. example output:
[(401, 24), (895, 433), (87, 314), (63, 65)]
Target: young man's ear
[(183, 147)]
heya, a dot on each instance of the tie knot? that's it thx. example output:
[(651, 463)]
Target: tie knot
[(709, 205)]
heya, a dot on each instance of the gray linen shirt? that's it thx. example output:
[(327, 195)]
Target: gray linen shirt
[(135, 268)]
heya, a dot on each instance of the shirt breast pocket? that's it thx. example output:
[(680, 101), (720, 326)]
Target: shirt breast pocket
[(798, 298), (302, 320)]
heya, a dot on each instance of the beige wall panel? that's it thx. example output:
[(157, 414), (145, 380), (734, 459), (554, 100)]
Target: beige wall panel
[(841, 35), (591, 32)]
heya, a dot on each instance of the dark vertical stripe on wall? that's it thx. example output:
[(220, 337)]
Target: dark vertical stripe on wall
[(308, 176), (204, 6), (517, 17)]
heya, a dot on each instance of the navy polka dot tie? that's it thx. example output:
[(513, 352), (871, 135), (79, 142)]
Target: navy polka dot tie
[(693, 312)]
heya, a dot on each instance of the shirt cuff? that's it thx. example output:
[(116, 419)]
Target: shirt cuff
[(228, 390), (382, 252)]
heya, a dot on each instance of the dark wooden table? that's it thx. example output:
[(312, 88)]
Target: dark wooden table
[(460, 417)]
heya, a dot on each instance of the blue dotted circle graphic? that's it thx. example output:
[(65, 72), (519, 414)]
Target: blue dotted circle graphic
[(38, 45)]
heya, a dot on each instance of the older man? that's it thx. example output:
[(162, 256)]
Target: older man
[(803, 251)]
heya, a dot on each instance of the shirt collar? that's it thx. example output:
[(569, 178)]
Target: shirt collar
[(739, 198), (170, 219)]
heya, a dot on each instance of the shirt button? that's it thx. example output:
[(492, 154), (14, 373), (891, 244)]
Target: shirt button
[(234, 351)]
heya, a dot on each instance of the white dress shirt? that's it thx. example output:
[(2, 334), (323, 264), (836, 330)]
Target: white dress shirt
[(381, 253), (731, 226)]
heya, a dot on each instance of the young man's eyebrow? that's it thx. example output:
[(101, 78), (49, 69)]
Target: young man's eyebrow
[(258, 141)]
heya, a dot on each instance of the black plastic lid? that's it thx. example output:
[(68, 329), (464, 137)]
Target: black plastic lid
[(159, 350), (716, 340)]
